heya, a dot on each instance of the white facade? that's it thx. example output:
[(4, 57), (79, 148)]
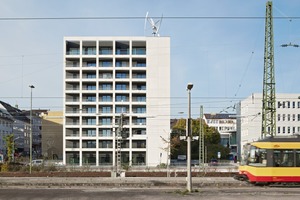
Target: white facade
[(226, 125), (287, 116), (105, 77)]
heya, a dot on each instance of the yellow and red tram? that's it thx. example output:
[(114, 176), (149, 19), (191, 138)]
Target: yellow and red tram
[(271, 160)]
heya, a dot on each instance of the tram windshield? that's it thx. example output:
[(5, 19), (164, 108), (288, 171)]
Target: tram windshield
[(254, 156)]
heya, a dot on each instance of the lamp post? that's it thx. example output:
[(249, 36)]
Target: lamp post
[(30, 141), (189, 139)]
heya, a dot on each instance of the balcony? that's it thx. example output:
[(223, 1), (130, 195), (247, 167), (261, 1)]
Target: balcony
[(89, 51), (139, 51)]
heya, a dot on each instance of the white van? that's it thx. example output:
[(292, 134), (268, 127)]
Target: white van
[(37, 162)]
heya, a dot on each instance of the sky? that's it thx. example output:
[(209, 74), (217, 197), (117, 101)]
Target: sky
[(216, 45)]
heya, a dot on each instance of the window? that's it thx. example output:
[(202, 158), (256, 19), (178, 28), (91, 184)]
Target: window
[(106, 121), (288, 104), (105, 133), (288, 117), (89, 132), (257, 157), (91, 64), (121, 109), (288, 129), (91, 110), (106, 109), (141, 110), (105, 144), (278, 129), (120, 98), (283, 117), (298, 117), (139, 51), (283, 158), (106, 98), (106, 86), (89, 51), (91, 121), (105, 63), (294, 117), (278, 104), (91, 98), (139, 144), (121, 86), (121, 75), (106, 75), (297, 157), (91, 75), (294, 104), (122, 63), (283, 129), (141, 99), (91, 87), (88, 144), (141, 87), (105, 51), (141, 121), (105, 158), (294, 129), (298, 104), (278, 117)]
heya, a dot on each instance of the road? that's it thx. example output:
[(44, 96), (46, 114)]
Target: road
[(89, 193)]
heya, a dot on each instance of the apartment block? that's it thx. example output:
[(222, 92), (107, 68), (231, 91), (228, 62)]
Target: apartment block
[(116, 87)]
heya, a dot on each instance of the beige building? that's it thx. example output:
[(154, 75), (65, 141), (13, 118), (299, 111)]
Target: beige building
[(52, 135)]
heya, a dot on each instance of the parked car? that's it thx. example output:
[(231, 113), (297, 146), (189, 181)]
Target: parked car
[(213, 162), (37, 162)]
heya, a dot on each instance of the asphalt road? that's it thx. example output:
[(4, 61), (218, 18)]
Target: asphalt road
[(265, 193)]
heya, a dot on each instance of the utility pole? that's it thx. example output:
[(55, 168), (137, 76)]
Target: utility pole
[(201, 140), (30, 140), (269, 101), (119, 143)]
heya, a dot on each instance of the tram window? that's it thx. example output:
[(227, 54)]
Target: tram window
[(298, 158), (257, 157), (283, 158)]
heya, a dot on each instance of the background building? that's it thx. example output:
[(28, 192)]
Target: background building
[(20, 128), (249, 118), (52, 135), (226, 125), (6, 128), (109, 77)]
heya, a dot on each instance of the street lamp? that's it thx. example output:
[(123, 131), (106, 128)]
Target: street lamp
[(189, 139), (30, 141)]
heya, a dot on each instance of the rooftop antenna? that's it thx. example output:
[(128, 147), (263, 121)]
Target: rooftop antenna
[(155, 25)]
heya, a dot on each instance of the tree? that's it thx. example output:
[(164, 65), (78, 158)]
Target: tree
[(9, 140), (212, 140)]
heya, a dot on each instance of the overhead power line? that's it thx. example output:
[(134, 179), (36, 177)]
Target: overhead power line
[(137, 18)]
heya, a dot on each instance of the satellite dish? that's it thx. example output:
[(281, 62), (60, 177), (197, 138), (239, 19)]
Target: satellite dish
[(155, 25)]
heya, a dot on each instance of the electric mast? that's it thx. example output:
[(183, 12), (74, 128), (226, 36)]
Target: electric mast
[(268, 101)]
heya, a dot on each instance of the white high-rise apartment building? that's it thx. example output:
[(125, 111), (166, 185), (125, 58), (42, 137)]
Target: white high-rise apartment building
[(249, 119), (109, 77)]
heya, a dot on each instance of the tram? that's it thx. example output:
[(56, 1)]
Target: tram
[(271, 160)]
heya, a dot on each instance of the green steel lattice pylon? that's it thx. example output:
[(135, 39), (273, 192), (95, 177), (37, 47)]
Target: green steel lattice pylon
[(269, 101)]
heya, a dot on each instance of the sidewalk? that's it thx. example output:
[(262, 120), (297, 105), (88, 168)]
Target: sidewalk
[(128, 182)]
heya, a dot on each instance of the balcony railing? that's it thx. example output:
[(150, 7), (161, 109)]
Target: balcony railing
[(122, 51), (138, 51)]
